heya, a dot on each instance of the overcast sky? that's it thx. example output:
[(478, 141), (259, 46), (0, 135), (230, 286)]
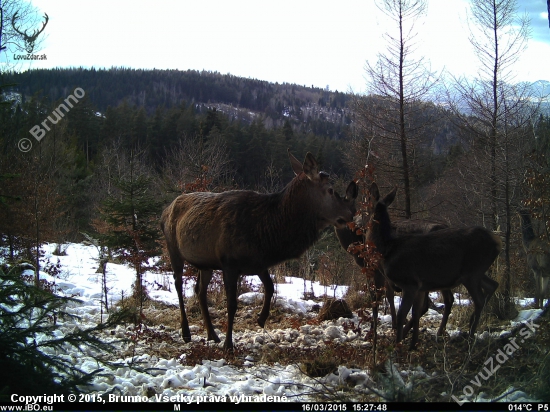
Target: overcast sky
[(320, 43)]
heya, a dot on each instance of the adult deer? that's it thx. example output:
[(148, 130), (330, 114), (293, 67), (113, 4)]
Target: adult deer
[(401, 227), (437, 260), (243, 232), (538, 257)]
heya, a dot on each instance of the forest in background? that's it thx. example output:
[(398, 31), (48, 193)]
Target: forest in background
[(93, 155), (249, 136), (181, 136), (112, 161), (98, 152)]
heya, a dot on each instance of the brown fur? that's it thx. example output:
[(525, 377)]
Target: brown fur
[(401, 227), (538, 257), (434, 261), (245, 232)]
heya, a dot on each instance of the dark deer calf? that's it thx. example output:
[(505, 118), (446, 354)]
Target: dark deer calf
[(401, 227), (434, 261), (538, 257), (243, 232)]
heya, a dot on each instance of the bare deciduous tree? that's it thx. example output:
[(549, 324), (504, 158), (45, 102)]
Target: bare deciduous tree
[(495, 116), (198, 158), (391, 117)]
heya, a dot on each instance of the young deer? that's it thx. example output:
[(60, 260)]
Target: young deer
[(439, 260), (401, 227), (244, 232), (538, 257)]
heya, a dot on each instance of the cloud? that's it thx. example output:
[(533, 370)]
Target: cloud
[(538, 13)]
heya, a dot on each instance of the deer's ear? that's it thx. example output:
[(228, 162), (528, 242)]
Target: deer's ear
[(374, 193), (310, 167), (295, 163), (352, 191), (390, 197)]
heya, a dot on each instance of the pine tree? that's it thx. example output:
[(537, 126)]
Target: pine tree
[(30, 340), (132, 212)]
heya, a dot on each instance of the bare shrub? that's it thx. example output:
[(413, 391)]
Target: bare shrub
[(334, 309)]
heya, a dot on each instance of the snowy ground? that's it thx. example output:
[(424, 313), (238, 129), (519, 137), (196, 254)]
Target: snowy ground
[(215, 380)]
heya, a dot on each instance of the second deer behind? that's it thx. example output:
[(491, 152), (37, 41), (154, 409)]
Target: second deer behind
[(434, 261)]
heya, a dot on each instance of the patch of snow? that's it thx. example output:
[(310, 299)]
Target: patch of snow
[(526, 316), (214, 379)]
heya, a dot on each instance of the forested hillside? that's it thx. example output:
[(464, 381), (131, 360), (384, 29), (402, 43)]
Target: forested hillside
[(106, 146), (87, 150), (89, 159), (308, 109)]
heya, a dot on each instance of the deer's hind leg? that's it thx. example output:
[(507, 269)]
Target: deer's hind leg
[(481, 288), (177, 266), (230, 280), (200, 289), (489, 286), (269, 289), (409, 296), (178, 283), (448, 300), (419, 308)]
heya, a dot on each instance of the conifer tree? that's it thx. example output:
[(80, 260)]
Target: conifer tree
[(132, 211), (30, 340)]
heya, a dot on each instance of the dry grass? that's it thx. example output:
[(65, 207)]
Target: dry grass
[(449, 363)]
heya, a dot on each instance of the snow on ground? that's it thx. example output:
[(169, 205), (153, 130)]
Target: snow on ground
[(169, 380)]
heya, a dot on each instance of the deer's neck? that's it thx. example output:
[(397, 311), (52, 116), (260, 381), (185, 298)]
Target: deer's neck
[(294, 224), (526, 229), (382, 232)]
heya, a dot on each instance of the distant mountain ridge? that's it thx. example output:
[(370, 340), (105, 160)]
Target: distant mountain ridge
[(322, 111), (541, 88), (305, 109)]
